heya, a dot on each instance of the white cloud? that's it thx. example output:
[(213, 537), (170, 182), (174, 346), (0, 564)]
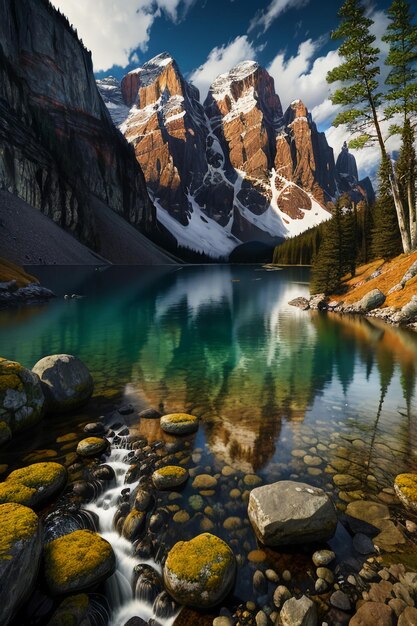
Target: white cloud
[(220, 60), (112, 30), (264, 19), (302, 77)]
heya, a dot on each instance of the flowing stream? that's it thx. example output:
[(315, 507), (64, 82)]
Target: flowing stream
[(119, 591)]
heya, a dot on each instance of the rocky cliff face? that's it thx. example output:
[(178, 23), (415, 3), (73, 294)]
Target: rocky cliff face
[(58, 147), (236, 169)]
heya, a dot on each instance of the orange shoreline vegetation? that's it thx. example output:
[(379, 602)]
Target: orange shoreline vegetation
[(391, 274), (10, 271)]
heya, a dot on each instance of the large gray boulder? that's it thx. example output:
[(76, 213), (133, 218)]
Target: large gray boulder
[(66, 382), (20, 553), (407, 314), (289, 512), (372, 300)]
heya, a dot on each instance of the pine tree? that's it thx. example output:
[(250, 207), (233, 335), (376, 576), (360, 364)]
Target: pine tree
[(360, 96), (326, 270), (386, 238)]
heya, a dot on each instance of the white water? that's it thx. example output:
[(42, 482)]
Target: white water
[(118, 587)]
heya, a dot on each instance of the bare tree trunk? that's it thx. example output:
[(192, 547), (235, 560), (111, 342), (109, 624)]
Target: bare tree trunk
[(405, 235), (412, 212)]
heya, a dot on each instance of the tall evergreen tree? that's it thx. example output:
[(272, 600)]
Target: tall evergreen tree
[(386, 238), (327, 269), (360, 96), (401, 100)]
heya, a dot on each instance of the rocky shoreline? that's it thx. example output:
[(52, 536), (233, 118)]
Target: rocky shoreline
[(370, 305), (12, 295), (187, 550)]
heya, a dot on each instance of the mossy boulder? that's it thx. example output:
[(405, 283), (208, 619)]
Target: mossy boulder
[(179, 423), (405, 486), (20, 553), (21, 398), (200, 572), (78, 561), (33, 485), (169, 477), (66, 382), (92, 446)]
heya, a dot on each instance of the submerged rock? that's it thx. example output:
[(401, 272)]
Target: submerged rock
[(33, 485), (169, 477), (288, 512), (77, 561), (20, 552), (200, 572), (150, 414), (21, 398), (66, 382), (179, 423)]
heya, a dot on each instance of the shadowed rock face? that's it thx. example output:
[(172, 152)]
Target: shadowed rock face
[(58, 146)]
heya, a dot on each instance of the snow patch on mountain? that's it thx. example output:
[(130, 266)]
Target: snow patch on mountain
[(202, 234)]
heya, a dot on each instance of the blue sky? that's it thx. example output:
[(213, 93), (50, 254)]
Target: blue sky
[(291, 38)]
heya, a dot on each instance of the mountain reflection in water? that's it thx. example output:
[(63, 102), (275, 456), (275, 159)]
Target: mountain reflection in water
[(222, 342)]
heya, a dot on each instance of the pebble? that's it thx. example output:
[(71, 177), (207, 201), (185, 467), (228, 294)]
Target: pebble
[(340, 600), (323, 557), (321, 585), (261, 619), (222, 621), (235, 494), (260, 584), (272, 576), (196, 502), (281, 594), (286, 575), (228, 471), (204, 481), (251, 480), (232, 523), (411, 526), (181, 517), (326, 574)]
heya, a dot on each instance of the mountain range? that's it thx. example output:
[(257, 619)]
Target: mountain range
[(140, 171), (235, 169)]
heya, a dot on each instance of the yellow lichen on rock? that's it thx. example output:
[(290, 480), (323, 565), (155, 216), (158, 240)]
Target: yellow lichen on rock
[(171, 470), (77, 561), (178, 418), (405, 486), (200, 572), (18, 523), (34, 484)]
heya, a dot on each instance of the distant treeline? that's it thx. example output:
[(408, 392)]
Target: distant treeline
[(303, 249)]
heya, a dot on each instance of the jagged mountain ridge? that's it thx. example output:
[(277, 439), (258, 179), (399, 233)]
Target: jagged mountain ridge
[(234, 169), (59, 149)]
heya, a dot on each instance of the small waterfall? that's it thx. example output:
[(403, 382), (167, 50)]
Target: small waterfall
[(119, 591)]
